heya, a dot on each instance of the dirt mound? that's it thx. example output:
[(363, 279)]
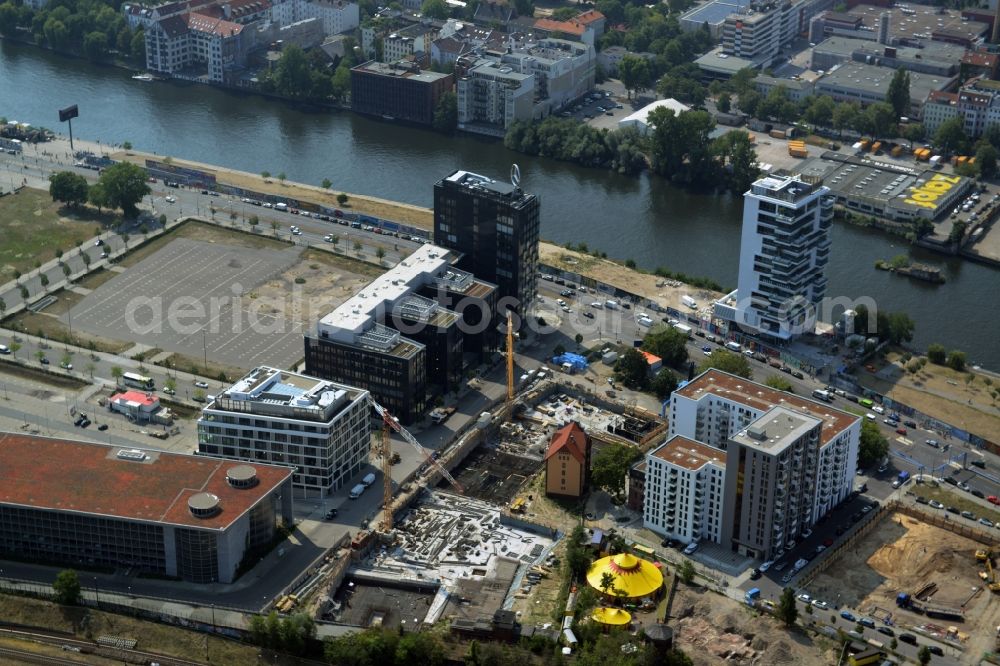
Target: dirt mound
[(920, 553)]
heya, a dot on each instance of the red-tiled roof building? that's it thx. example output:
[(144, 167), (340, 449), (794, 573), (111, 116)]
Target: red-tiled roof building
[(193, 517), (567, 462)]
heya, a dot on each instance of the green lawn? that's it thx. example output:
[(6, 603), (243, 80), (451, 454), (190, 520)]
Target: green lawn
[(33, 227)]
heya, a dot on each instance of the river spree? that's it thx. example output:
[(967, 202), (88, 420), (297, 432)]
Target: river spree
[(641, 218)]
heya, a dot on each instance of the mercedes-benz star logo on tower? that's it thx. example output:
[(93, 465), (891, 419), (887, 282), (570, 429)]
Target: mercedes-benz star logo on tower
[(515, 175)]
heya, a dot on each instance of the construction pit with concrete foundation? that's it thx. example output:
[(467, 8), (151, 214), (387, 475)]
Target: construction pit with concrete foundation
[(449, 557)]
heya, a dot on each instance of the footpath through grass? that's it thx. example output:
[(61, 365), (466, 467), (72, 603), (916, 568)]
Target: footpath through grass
[(33, 227)]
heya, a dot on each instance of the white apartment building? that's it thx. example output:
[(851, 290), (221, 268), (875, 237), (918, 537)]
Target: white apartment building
[(564, 71), (784, 249), (319, 427), (337, 16), (492, 96), (785, 461), (760, 31), (685, 484)]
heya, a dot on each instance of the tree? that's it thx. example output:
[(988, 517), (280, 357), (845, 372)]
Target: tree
[(778, 382), (95, 45), (820, 111), (373, 647), (664, 383), (67, 587), (68, 187), (937, 354), (282, 177), (578, 556), (446, 112), (292, 76), (420, 648), (170, 384), (44, 279), (610, 467), (607, 582), (951, 137), (116, 373), (724, 103), (326, 184), (668, 343), (379, 253), (124, 185), (914, 132), (634, 73), (986, 160), (342, 199), (265, 174), (899, 328), (924, 655), (898, 95), (881, 120), (437, 9), (685, 571), (14, 348), (340, 82), (844, 115), (956, 360), (873, 446), (736, 364), (736, 151), (787, 611), (632, 369)]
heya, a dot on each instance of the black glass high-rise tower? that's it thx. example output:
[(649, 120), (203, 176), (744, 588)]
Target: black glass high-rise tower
[(494, 227)]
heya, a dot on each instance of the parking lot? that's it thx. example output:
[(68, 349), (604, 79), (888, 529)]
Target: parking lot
[(599, 107), (189, 297)]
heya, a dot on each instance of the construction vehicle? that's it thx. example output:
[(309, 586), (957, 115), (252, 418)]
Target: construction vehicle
[(986, 554), (440, 414), (990, 576), (391, 424), (905, 600)]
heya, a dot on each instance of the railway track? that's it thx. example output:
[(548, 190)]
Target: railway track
[(88, 647)]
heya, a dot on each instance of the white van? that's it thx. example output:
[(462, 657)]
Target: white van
[(644, 320), (733, 346), (611, 305), (597, 305), (4, 349), (820, 394), (368, 480), (357, 491)]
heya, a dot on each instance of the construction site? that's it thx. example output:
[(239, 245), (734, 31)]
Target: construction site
[(450, 556), (910, 573)]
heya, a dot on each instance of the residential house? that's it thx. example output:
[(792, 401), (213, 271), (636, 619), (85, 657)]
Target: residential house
[(567, 462)]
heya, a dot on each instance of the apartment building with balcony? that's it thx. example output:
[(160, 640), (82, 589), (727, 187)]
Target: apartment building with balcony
[(684, 490), (766, 464), (320, 428), (784, 250), (492, 96)]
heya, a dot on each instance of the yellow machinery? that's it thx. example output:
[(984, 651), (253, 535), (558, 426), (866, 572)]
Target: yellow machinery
[(984, 554), (990, 576)]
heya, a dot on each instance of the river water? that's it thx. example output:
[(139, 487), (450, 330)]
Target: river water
[(642, 218)]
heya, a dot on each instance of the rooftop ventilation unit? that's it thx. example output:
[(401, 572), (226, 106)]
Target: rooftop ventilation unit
[(134, 455)]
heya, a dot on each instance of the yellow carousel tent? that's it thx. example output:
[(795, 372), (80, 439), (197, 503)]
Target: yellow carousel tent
[(611, 616), (636, 578)]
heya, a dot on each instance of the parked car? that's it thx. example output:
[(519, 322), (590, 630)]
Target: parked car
[(968, 515), (848, 615), (866, 622), (201, 384), (886, 631), (822, 605), (934, 504)]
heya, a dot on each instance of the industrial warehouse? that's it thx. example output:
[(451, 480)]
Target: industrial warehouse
[(92, 505), (893, 191)]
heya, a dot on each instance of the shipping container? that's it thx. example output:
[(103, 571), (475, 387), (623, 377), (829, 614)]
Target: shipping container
[(876, 146)]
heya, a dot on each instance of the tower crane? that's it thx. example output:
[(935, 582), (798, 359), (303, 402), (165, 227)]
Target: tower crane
[(509, 410), (389, 425)]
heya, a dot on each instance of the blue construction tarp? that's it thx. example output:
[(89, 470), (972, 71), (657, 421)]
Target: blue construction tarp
[(578, 362)]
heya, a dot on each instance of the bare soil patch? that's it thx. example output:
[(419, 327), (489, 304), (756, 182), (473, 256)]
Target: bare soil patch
[(713, 629), (940, 392), (902, 555)]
